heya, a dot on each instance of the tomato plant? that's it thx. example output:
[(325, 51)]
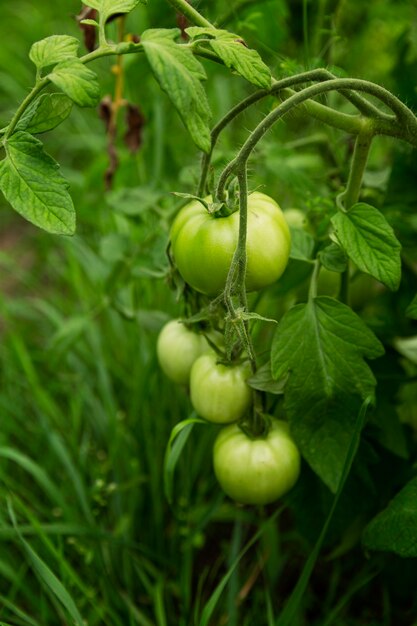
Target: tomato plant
[(219, 392), (256, 470), (177, 349), (203, 244)]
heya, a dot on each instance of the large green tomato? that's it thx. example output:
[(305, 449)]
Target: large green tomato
[(203, 245), (177, 348), (256, 471), (219, 392)]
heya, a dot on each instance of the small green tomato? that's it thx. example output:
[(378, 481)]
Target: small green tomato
[(256, 471)]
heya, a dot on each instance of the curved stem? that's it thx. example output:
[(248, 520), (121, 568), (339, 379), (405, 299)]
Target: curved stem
[(24, 105), (358, 164), (405, 128), (340, 120)]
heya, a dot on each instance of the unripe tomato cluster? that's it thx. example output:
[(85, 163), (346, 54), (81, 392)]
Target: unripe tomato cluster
[(251, 470)]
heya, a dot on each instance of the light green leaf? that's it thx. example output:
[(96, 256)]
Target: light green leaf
[(395, 528), (46, 576), (53, 50), (178, 439), (107, 8), (370, 242), (234, 53), (46, 113), (32, 183), (179, 74), (321, 347), (77, 81), (302, 244), (407, 347)]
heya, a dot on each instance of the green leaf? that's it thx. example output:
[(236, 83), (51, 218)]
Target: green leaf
[(77, 81), (321, 347), (234, 53), (107, 8), (46, 576), (179, 74), (370, 242), (46, 113), (178, 439), (53, 50), (333, 258), (411, 310), (302, 244), (395, 528), (32, 183), (407, 347)]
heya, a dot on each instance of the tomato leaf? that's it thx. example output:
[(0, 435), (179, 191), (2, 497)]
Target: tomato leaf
[(333, 258), (395, 528), (370, 242), (46, 113), (180, 74), (263, 381), (302, 244), (54, 49), (321, 346), (234, 53), (31, 181), (107, 8), (77, 81)]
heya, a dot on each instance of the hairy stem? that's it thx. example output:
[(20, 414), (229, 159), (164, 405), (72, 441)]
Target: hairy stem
[(358, 164), (24, 105), (190, 13), (405, 128)]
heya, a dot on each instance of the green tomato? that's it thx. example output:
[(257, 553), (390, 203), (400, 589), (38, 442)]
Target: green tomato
[(203, 245), (177, 348), (219, 392), (259, 470)]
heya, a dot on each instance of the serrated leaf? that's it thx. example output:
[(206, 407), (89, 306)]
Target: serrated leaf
[(333, 258), (321, 346), (53, 50), (32, 183), (302, 244), (179, 74), (411, 310), (46, 113), (235, 54), (370, 242), (107, 8), (395, 528), (77, 81)]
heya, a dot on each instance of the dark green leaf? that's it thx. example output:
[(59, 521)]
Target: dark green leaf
[(263, 381), (179, 74), (77, 81), (370, 242), (333, 258), (234, 53), (31, 181), (321, 347), (46, 113), (411, 310), (53, 50), (395, 528)]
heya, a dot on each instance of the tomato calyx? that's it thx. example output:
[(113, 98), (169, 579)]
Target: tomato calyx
[(258, 427)]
